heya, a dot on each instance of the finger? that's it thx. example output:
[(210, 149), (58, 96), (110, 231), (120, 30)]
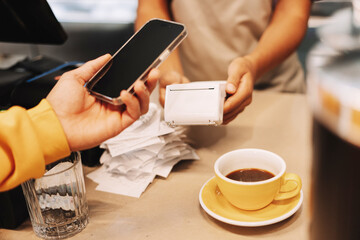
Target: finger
[(236, 108), (132, 107), (162, 93), (243, 92), (152, 79), (245, 102), (233, 114), (143, 96), (235, 111), (87, 70), (227, 120)]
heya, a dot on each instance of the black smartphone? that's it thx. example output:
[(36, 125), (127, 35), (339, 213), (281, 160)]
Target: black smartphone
[(145, 50)]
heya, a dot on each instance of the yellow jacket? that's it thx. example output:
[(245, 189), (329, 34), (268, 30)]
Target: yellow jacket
[(29, 139)]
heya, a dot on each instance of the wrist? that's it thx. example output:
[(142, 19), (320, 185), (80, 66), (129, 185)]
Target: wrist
[(51, 134)]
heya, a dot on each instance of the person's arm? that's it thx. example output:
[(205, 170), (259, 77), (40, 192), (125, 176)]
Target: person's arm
[(147, 10), (29, 139), (69, 119), (281, 38), (283, 35), (171, 68)]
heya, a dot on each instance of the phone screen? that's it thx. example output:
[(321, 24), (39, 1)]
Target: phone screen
[(135, 57)]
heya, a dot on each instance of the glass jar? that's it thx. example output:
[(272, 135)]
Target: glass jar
[(56, 202)]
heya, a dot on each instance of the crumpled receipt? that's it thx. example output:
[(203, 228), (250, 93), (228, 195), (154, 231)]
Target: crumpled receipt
[(146, 149)]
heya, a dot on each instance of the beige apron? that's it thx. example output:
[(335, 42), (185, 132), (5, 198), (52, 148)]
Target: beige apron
[(221, 30)]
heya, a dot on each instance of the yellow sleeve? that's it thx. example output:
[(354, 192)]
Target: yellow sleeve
[(29, 139)]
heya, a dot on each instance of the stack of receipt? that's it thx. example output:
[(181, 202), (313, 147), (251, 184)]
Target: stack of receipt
[(146, 149)]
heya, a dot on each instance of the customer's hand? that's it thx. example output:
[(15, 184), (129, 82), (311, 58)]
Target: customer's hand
[(167, 78), (239, 87), (87, 121)]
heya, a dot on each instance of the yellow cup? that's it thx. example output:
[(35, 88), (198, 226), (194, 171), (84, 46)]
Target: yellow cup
[(255, 195)]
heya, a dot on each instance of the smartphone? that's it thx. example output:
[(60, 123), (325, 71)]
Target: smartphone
[(145, 50)]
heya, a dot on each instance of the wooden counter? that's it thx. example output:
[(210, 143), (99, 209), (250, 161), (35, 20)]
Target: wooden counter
[(170, 209)]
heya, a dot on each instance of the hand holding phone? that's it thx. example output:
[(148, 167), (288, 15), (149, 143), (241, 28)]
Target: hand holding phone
[(145, 50)]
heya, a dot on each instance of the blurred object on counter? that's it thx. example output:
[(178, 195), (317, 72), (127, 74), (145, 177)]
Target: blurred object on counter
[(334, 95)]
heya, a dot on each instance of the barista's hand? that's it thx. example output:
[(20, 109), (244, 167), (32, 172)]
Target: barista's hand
[(239, 87), (86, 121), (167, 78)]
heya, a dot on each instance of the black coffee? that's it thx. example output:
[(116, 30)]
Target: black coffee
[(250, 175)]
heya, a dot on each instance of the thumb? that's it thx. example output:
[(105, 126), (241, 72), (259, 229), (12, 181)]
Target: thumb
[(235, 72), (86, 71)]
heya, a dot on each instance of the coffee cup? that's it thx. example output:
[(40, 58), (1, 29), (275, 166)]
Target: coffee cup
[(261, 178)]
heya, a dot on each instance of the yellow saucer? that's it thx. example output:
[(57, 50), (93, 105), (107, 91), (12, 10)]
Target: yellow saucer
[(214, 203)]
